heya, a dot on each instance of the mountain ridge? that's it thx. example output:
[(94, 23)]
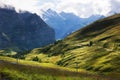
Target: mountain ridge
[(23, 30), (65, 23)]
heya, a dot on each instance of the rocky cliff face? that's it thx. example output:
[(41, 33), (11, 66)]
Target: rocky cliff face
[(23, 30)]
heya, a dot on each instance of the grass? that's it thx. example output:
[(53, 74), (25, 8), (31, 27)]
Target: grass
[(23, 71), (101, 57), (95, 48)]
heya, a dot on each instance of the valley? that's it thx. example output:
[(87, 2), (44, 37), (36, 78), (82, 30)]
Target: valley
[(91, 53)]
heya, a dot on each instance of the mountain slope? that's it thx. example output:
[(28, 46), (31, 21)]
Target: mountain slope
[(95, 47), (23, 30), (30, 70), (66, 23)]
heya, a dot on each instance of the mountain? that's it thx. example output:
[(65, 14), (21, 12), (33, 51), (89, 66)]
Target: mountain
[(95, 47), (23, 30), (66, 23)]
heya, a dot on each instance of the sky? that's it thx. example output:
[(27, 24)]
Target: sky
[(81, 8)]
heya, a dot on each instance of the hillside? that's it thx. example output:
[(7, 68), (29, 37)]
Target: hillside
[(29, 70), (23, 30), (95, 47)]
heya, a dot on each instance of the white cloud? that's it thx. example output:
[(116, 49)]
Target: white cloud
[(115, 7), (47, 6), (82, 8), (29, 5), (85, 8)]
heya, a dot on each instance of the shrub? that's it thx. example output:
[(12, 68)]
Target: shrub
[(60, 63), (36, 59), (90, 43)]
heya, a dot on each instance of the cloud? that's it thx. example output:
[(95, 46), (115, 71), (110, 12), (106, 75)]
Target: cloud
[(115, 7), (29, 5), (85, 8), (47, 6), (82, 8)]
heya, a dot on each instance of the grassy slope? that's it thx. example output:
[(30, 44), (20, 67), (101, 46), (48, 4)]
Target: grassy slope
[(102, 56), (28, 70)]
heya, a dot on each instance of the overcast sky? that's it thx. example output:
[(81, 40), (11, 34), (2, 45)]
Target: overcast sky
[(82, 8)]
